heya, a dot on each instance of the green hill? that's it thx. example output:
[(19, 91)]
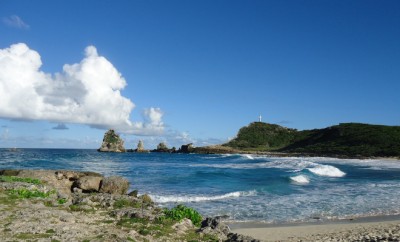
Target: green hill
[(346, 139), (263, 137)]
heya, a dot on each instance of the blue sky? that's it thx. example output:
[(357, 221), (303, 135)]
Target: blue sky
[(192, 71)]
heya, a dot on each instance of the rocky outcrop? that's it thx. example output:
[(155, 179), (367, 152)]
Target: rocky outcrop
[(186, 148), (114, 185), (61, 180), (222, 231), (91, 216), (66, 182), (163, 148), (112, 142)]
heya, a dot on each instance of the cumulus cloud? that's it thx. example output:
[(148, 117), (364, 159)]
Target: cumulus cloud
[(88, 92), (15, 21)]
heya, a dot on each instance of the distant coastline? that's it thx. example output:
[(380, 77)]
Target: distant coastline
[(346, 141)]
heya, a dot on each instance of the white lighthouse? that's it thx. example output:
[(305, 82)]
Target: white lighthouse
[(259, 118)]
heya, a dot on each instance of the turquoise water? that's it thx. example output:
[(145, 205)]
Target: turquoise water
[(243, 187)]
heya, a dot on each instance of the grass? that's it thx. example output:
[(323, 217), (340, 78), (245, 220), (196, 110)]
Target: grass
[(30, 236), (158, 228), (77, 208), (24, 193), (193, 236), (62, 201), (20, 179), (6, 200), (121, 203), (107, 221)]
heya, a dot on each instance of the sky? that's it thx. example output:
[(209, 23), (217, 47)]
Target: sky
[(192, 71)]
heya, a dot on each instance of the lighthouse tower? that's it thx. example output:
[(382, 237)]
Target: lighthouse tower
[(259, 118)]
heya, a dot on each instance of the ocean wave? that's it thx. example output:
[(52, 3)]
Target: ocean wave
[(186, 199), (290, 164), (301, 179), (247, 156), (294, 165), (326, 170)]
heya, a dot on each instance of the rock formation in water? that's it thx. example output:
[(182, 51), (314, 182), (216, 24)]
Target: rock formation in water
[(112, 142), (140, 148)]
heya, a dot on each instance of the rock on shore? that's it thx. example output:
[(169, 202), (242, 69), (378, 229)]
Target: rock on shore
[(49, 205)]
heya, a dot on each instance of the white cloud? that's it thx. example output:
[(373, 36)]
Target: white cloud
[(15, 22), (86, 93)]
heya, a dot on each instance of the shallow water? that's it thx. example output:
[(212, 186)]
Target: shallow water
[(243, 187)]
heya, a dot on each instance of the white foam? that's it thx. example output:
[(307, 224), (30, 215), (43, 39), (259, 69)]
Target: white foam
[(185, 199), (301, 179), (327, 170), (250, 157)]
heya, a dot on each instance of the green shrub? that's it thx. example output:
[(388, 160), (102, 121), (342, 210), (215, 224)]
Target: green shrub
[(61, 201), (181, 211)]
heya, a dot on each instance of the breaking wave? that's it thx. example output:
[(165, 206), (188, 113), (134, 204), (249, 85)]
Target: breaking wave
[(301, 179), (186, 199), (293, 165), (326, 170)]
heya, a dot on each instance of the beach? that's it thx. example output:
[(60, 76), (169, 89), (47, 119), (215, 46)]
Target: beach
[(383, 228)]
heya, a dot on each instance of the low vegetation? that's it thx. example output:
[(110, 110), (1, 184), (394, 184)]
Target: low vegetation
[(180, 212), (20, 179), (347, 139), (26, 193)]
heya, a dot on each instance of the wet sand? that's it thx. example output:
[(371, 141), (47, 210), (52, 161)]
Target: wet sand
[(364, 229)]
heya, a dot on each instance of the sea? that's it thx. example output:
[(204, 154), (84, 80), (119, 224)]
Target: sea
[(242, 188)]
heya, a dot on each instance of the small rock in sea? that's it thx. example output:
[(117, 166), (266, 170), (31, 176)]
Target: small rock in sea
[(133, 193)]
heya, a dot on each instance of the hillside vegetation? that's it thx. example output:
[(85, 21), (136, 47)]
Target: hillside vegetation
[(346, 139)]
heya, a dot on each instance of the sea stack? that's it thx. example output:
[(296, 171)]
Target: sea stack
[(112, 142)]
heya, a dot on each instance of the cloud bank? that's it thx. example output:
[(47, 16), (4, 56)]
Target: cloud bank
[(15, 21), (86, 93)]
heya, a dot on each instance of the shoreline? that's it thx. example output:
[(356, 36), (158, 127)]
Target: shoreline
[(215, 150), (363, 228)]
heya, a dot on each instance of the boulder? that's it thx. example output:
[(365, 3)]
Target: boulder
[(183, 226), (114, 185), (146, 199), (233, 237), (112, 142), (215, 227), (88, 183)]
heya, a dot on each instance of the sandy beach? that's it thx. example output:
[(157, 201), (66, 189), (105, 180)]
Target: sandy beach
[(366, 229)]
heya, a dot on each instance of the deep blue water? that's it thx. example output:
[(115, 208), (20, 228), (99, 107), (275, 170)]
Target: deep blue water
[(244, 187)]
